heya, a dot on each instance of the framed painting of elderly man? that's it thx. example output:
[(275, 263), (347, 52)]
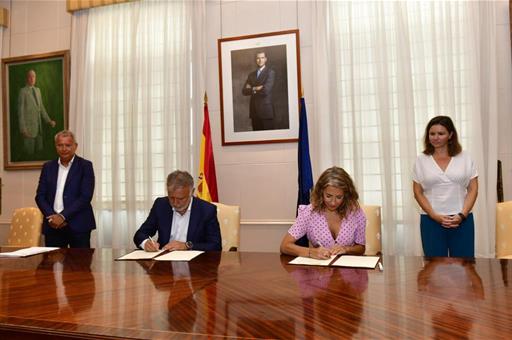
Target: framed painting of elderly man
[(35, 107)]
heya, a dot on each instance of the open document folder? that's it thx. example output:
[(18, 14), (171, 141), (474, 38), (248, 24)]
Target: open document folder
[(356, 261), (308, 261), (342, 261), (140, 255), (28, 251), (175, 255), (179, 255)]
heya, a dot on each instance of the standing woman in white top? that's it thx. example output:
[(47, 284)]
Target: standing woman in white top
[(445, 184)]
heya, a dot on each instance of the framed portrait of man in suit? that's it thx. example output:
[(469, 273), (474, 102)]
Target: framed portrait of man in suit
[(35, 107), (259, 88)]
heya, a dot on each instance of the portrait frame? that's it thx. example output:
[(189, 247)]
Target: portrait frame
[(237, 64), (51, 72)]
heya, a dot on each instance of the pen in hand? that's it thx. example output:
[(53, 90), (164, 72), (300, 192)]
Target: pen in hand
[(323, 255), (153, 246)]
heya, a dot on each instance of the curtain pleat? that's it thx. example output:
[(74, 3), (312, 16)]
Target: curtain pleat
[(382, 70), (134, 103)]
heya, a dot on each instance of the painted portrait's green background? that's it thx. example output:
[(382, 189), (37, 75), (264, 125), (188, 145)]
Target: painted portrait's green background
[(50, 80)]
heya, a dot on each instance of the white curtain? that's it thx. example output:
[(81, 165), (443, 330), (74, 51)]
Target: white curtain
[(382, 70), (136, 89)]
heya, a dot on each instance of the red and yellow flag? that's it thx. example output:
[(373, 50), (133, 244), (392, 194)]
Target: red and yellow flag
[(207, 185)]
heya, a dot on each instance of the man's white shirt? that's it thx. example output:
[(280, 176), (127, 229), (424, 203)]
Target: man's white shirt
[(180, 223), (58, 203)]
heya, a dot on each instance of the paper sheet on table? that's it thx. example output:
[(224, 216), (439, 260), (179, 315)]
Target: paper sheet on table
[(308, 261), (28, 251), (357, 261), (140, 255), (179, 255)]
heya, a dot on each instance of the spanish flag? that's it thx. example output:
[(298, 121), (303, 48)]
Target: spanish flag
[(207, 185)]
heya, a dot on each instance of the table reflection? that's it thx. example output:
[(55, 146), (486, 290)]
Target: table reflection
[(67, 295), (62, 284), (504, 271), (190, 287), (444, 283), (250, 295), (332, 298)]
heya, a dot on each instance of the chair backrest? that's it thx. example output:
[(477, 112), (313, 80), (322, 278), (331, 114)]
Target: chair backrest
[(503, 229), (373, 229), (229, 220), (26, 227)]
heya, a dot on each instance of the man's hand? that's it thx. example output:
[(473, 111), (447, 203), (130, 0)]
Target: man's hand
[(56, 221), (151, 246), (175, 245), (25, 134), (52, 123)]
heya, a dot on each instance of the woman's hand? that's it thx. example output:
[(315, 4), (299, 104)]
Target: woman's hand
[(451, 221), (447, 221), (338, 250), (319, 253), (438, 218)]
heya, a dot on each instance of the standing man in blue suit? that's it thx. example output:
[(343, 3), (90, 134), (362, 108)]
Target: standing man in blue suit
[(64, 195), (183, 222)]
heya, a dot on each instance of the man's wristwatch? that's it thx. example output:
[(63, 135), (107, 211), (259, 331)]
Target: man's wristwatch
[(189, 245), (462, 216)]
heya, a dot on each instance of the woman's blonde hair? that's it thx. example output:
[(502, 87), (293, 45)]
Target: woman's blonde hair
[(338, 178)]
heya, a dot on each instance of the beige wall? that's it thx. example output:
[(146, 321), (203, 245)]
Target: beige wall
[(34, 27), (260, 178)]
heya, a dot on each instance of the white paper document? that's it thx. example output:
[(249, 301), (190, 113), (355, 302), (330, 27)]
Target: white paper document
[(357, 261), (28, 251), (308, 261), (141, 255), (179, 255)]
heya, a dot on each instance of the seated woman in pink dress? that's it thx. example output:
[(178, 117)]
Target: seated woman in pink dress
[(334, 222)]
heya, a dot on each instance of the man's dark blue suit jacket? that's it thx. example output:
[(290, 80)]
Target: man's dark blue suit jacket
[(77, 195), (203, 228)]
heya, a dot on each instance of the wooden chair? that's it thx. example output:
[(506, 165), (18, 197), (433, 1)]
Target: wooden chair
[(26, 227), (373, 229), (229, 220), (504, 230)]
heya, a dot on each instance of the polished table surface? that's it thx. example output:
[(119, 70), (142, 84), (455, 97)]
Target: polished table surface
[(86, 294)]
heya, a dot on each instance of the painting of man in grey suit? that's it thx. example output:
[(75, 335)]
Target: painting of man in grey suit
[(32, 116)]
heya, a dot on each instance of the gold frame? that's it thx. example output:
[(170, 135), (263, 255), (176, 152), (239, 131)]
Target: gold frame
[(16, 64)]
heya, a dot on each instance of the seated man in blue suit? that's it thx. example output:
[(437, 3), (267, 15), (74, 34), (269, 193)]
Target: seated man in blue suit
[(183, 222), (64, 195)]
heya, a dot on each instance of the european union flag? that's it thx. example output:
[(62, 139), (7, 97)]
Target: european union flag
[(304, 163)]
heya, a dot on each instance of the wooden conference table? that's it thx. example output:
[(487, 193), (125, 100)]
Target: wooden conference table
[(86, 294)]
